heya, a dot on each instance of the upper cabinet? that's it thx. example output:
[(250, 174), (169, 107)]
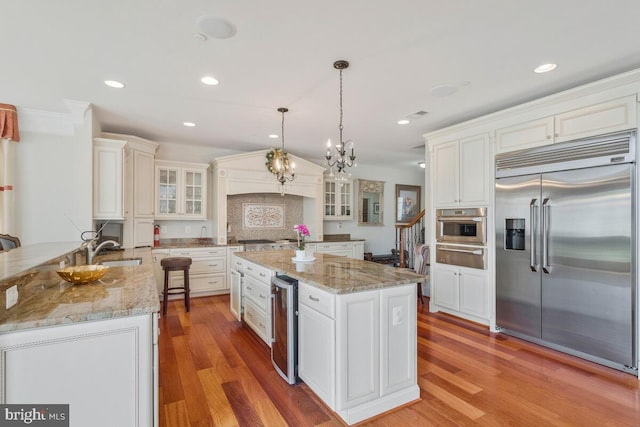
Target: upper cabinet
[(338, 200), (598, 119), (181, 190), (461, 172), (108, 178)]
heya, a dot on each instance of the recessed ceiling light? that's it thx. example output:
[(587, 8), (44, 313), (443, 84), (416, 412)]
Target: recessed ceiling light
[(422, 165), (209, 80), (189, 124), (545, 68), (404, 122), (114, 83), (274, 136)]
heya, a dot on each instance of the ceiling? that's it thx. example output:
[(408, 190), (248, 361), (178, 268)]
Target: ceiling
[(282, 55)]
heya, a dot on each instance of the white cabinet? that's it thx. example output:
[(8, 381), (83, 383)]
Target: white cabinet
[(143, 183), (158, 255), (86, 365), (461, 172), (181, 191), (134, 185), (235, 267), (460, 290), (207, 273), (338, 200), (108, 178), (256, 292), (351, 249), (598, 119), (531, 134), (317, 342), (357, 351)]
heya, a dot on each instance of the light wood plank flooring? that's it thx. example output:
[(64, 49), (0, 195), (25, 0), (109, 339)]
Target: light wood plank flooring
[(215, 372)]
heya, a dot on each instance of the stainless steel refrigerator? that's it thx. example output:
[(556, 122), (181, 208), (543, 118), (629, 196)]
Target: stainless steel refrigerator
[(565, 248)]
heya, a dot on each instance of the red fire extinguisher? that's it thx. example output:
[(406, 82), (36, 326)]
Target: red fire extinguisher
[(156, 235)]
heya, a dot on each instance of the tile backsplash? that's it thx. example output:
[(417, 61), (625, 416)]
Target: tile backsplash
[(289, 206)]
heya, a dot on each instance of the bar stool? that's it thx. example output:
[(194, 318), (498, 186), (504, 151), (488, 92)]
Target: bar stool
[(175, 264)]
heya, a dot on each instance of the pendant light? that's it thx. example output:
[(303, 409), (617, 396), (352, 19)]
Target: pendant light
[(342, 158), (278, 160)]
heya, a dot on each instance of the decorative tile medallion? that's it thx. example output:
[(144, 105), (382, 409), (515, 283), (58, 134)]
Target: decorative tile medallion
[(262, 216)]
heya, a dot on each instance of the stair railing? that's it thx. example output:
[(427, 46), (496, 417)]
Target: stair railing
[(407, 237)]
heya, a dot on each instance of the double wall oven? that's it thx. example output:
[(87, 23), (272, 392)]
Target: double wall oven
[(461, 237)]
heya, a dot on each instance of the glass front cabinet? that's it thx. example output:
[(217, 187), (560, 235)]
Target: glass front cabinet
[(181, 191), (338, 200)]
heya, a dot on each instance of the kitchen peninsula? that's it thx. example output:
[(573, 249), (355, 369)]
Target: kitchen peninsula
[(91, 346), (357, 345)]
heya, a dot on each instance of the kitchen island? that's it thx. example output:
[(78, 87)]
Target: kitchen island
[(357, 342), (91, 346)]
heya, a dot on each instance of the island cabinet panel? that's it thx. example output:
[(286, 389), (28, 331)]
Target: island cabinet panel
[(357, 351), (255, 299), (104, 370), (316, 351), (398, 336), (358, 348)]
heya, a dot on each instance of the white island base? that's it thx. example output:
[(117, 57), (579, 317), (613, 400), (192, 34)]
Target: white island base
[(358, 351)]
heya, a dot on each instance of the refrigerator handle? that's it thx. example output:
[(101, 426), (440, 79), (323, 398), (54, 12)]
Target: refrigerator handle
[(533, 264), (546, 218)]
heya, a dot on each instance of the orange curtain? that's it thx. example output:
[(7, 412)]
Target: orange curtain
[(8, 136), (9, 122)]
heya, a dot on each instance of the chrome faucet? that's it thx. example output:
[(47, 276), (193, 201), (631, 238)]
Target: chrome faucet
[(92, 253)]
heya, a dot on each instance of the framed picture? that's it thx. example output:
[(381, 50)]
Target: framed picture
[(407, 202), (376, 208)]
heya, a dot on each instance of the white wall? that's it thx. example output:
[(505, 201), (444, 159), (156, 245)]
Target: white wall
[(53, 189), (379, 239)]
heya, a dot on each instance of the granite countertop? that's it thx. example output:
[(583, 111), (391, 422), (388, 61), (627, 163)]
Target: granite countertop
[(335, 274), (207, 242), (45, 299)]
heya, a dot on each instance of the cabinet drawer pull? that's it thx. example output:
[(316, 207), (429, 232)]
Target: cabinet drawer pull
[(263, 275), (262, 296), (314, 299), (213, 265), (249, 288), (261, 325), (249, 268)]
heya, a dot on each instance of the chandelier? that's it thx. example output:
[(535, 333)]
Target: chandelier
[(278, 161), (340, 160)]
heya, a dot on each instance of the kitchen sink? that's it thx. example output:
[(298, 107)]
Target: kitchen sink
[(122, 262)]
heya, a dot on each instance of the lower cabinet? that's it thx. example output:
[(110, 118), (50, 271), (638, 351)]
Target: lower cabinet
[(351, 249), (460, 290), (207, 274), (250, 298), (357, 351), (105, 370), (317, 342)]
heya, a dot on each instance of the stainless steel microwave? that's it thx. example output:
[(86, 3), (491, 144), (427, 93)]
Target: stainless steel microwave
[(466, 226)]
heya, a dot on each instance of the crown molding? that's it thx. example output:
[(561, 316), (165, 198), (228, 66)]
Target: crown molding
[(51, 122)]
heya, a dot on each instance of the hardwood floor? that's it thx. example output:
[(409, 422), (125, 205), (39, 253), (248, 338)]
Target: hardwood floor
[(215, 372)]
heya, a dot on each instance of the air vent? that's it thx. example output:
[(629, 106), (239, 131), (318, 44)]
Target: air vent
[(581, 153), (417, 114)]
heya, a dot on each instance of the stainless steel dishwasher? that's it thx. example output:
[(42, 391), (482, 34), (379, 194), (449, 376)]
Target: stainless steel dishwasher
[(284, 327)]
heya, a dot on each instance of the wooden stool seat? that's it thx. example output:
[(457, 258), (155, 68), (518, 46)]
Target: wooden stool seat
[(175, 264)]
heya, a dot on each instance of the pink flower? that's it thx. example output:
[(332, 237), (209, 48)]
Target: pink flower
[(303, 232)]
